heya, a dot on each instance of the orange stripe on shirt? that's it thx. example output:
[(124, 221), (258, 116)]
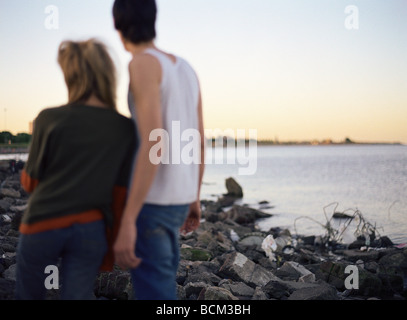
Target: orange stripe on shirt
[(61, 222), (119, 202), (28, 183)]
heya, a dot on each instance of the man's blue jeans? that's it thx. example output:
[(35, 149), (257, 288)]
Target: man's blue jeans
[(77, 251), (158, 247)]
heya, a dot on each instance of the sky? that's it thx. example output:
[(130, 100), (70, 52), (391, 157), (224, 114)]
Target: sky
[(290, 69)]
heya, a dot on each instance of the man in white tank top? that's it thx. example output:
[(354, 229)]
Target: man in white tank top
[(165, 103)]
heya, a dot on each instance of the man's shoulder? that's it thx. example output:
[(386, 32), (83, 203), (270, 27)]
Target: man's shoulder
[(142, 61)]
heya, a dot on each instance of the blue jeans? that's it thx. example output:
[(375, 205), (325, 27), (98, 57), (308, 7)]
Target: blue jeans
[(158, 247), (77, 251)]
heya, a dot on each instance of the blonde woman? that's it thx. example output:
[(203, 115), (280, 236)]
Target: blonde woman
[(79, 162)]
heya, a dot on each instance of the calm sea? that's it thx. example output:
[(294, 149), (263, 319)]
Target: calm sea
[(314, 181), (300, 181)]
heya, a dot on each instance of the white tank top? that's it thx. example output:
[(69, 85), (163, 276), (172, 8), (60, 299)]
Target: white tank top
[(177, 178)]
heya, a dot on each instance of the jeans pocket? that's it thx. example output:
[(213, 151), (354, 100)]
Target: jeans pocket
[(155, 243)]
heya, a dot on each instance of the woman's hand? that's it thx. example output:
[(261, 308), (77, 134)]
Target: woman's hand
[(124, 247)]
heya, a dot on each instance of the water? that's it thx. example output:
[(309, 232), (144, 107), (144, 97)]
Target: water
[(15, 156), (301, 180)]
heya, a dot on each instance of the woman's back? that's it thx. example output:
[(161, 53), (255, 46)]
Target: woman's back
[(78, 154)]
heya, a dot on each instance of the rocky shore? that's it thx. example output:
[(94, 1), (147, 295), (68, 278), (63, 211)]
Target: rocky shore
[(229, 258)]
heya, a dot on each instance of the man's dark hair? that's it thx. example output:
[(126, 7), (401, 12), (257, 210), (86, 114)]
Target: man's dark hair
[(135, 19)]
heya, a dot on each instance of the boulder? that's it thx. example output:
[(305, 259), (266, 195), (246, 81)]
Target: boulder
[(195, 254), (216, 293), (239, 268), (5, 204), (238, 289), (392, 270), (259, 294), (7, 289), (354, 255), (9, 192), (320, 292), (396, 260), (243, 215), (227, 201), (115, 285), (277, 290), (334, 274), (214, 241), (291, 270), (194, 288), (205, 277), (233, 188), (10, 273), (8, 243)]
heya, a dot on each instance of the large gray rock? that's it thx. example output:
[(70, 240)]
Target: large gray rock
[(216, 293), (238, 289), (291, 270), (8, 243), (214, 241), (195, 254), (396, 260), (355, 255), (277, 290), (206, 277), (8, 192), (5, 204), (114, 285), (10, 273), (281, 290), (320, 292), (194, 288), (233, 188), (334, 273), (239, 268), (392, 271), (259, 294), (243, 215), (7, 289)]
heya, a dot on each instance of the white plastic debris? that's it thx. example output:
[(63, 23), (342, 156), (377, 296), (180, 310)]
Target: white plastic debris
[(6, 218), (367, 237), (269, 245), (234, 236)]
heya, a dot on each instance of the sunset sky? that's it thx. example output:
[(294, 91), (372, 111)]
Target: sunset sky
[(292, 69)]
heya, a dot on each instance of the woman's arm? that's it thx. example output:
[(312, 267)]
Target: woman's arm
[(34, 167)]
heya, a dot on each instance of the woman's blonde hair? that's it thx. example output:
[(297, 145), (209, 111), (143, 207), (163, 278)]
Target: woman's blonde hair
[(88, 69)]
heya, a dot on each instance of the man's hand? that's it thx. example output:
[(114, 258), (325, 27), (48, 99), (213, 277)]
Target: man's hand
[(124, 247), (193, 219)]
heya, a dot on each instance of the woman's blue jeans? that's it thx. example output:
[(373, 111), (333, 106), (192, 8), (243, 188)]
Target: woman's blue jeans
[(158, 247), (76, 251)]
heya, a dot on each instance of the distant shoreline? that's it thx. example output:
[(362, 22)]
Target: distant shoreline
[(13, 150), (300, 143), (265, 143), (10, 149)]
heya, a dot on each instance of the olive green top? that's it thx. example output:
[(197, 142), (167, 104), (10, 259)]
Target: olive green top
[(78, 154)]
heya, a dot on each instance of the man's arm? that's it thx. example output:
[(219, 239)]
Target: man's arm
[(194, 216), (145, 78)]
